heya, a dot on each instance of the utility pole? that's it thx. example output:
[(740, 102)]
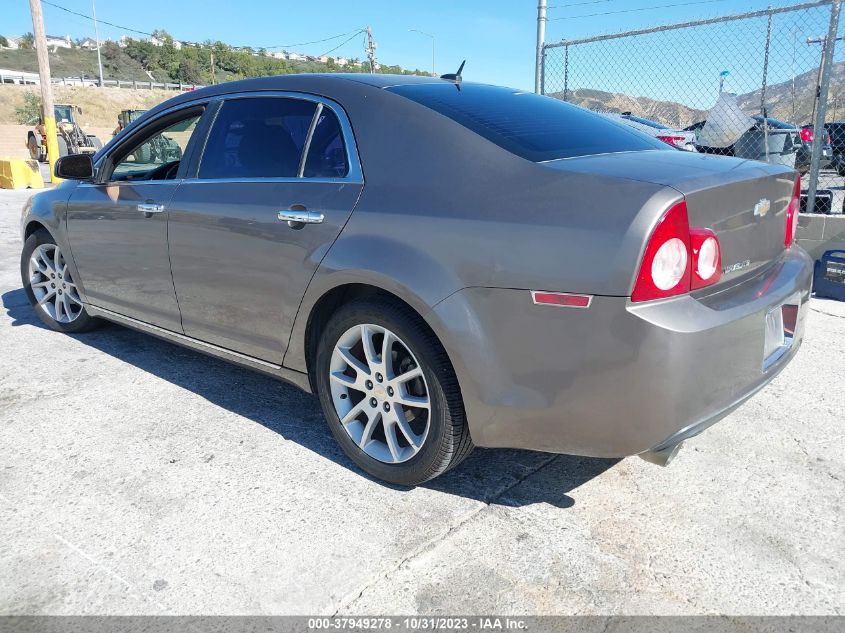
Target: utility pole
[(371, 49), (48, 112), (541, 40), (97, 36), (213, 78)]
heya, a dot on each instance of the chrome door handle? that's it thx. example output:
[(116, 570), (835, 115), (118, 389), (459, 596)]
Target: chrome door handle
[(299, 216), (147, 207)]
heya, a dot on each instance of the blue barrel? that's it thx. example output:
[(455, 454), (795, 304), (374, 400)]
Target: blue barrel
[(829, 276)]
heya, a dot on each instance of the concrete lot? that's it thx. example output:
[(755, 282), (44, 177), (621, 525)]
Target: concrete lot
[(137, 477)]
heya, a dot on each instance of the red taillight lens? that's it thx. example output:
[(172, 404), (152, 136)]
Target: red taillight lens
[(807, 135), (674, 141), (677, 259), (706, 258), (664, 271), (792, 214)]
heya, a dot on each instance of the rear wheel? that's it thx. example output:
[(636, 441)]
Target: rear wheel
[(390, 394), (34, 149), (50, 287)]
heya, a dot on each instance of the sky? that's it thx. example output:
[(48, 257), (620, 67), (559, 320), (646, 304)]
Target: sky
[(496, 37)]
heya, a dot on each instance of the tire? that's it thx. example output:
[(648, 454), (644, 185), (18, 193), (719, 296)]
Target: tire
[(96, 143), (442, 438), (63, 151), (34, 149), (72, 316)]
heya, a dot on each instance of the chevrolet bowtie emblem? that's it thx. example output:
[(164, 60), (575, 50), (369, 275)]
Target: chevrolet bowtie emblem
[(762, 208)]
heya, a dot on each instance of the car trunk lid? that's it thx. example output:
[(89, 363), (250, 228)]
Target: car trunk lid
[(744, 202)]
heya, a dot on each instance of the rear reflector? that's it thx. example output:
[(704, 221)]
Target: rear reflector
[(792, 214), (561, 299)]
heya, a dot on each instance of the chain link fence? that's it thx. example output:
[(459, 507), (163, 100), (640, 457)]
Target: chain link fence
[(765, 85)]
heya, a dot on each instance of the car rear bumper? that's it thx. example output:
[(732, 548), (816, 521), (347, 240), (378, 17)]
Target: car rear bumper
[(617, 378)]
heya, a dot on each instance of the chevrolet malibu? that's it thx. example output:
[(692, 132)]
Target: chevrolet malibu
[(445, 264)]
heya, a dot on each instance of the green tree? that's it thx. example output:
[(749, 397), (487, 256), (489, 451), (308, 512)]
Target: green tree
[(3, 41), (27, 41), (30, 109)]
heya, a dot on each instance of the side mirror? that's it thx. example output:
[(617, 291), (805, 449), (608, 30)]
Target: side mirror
[(75, 167)]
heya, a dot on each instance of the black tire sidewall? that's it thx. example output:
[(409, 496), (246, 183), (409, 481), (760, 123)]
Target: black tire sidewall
[(83, 322), (429, 461)]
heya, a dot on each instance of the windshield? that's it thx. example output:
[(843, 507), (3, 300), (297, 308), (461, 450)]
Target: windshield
[(63, 113), (531, 126)]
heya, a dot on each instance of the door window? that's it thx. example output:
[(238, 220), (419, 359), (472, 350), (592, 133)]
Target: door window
[(327, 152), (257, 138), (157, 157)]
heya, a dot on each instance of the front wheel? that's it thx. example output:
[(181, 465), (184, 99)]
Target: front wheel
[(50, 286), (390, 394)]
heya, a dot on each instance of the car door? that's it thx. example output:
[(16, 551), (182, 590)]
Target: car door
[(117, 225), (276, 182)]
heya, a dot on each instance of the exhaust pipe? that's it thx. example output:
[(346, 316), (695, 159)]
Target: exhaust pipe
[(662, 456)]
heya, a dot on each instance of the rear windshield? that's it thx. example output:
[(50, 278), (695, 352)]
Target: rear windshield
[(528, 125)]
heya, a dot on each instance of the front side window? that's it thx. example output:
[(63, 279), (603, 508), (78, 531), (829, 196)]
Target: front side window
[(157, 157), (260, 137)]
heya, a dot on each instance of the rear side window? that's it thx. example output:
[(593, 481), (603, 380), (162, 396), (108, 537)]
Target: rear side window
[(327, 153), (257, 138), (531, 126)]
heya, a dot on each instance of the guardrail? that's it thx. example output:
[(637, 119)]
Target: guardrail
[(27, 79)]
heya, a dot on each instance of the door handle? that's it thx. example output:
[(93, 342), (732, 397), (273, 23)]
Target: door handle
[(297, 217), (148, 208)]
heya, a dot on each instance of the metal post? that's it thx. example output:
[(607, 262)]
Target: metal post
[(566, 73), (821, 111), (541, 41), (48, 112), (763, 88), (97, 35)]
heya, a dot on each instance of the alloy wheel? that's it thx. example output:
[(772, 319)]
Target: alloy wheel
[(52, 284), (379, 393)]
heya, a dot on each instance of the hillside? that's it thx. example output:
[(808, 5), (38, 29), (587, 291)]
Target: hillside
[(190, 64), (100, 106), (73, 62), (667, 112), (778, 101), (779, 96)]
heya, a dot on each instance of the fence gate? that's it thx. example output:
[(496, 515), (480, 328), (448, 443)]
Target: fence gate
[(720, 77)]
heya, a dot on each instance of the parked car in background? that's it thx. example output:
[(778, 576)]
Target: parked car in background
[(785, 139), (474, 265), (680, 139), (836, 133)]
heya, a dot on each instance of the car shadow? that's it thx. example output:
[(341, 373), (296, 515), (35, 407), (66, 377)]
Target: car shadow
[(494, 476)]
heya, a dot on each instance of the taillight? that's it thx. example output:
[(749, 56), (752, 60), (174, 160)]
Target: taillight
[(706, 258), (792, 214), (807, 135), (677, 259), (674, 141)]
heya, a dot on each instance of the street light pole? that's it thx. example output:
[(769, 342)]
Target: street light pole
[(97, 36), (433, 67), (541, 41)]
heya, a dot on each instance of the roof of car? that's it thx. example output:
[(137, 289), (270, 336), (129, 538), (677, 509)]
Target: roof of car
[(316, 82)]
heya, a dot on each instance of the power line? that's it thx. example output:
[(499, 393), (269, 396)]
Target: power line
[(578, 4), (127, 28), (663, 6), (327, 39), (354, 35), (88, 17)]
